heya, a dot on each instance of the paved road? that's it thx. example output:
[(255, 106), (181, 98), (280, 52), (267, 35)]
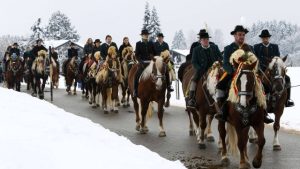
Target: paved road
[(178, 145)]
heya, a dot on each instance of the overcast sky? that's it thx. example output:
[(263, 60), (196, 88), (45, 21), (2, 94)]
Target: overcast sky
[(96, 18)]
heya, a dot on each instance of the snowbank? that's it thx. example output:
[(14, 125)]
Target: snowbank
[(291, 116), (35, 134)]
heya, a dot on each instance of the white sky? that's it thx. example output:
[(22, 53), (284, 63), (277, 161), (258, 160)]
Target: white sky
[(96, 18)]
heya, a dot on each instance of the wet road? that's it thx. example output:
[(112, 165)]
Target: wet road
[(178, 145)]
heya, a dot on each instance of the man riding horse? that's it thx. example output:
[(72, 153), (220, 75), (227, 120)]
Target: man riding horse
[(222, 88), (265, 52), (202, 59), (72, 52)]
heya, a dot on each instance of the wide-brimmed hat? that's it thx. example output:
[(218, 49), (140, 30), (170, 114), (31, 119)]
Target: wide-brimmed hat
[(201, 31), (72, 44), (239, 28), (15, 44), (39, 40), (145, 32), (265, 34), (204, 35), (97, 41), (160, 35)]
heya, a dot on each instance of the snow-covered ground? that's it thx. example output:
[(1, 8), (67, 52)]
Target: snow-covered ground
[(35, 134), (291, 116)]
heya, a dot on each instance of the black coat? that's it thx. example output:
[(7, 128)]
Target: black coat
[(160, 47), (14, 50), (196, 44), (273, 50), (97, 49), (72, 52), (54, 55), (104, 49), (122, 47), (228, 51), (144, 51), (36, 50), (88, 49)]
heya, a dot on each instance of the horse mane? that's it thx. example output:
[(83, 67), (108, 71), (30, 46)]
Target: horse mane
[(126, 51), (53, 62), (212, 77), (148, 71), (165, 54), (241, 56), (277, 60)]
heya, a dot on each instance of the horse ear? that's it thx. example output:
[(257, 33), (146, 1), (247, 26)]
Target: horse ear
[(235, 64), (253, 65), (284, 58), (269, 60)]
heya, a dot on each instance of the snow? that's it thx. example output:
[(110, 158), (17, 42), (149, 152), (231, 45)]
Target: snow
[(54, 43), (35, 134), (182, 52), (290, 118)]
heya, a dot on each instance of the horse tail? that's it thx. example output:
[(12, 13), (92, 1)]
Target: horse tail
[(232, 140), (150, 110)]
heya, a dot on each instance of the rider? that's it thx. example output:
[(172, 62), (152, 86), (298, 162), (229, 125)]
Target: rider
[(97, 46), (54, 55), (239, 34), (269, 50), (88, 48), (144, 53), (108, 43), (72, 52), (12, 52), (125, 44), (198, 43), (203, 58), (38, 47)]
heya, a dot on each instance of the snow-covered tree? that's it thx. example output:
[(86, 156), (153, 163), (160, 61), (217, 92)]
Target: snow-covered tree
[(179, 41), (59, 27), (218, 38), (147, 17), (37, 31), (7, 40), (191, 37), (155, 25)]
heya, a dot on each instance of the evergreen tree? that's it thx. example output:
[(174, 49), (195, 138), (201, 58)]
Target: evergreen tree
[(37, 31), (147, 17), (59, 27), (179, 41), (155, 25)]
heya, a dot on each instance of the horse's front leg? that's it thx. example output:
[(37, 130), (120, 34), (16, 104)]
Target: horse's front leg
[(242, 145), (276, 127), (209, 136), (115, 98), (104, 101), (75, 86), (160, 114), (144, 107), (167, 103), (222, 131), (201, 130), (191, 126), (257, 161)]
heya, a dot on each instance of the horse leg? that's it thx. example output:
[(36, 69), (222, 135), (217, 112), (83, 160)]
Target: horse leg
[(196, 121), (123, 100), (276, 127), (104, 101), (167, 103), (257, 161), (75, 86), (144, 108), (191, 126), (252, 136), (222, 131), (115, 98), (128, 96), (203, 124), (94, 94), (242, 135), (160, 113), (209, 136)]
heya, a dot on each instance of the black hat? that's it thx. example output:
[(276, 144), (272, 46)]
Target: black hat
[(39, 40), (145, 32), (265, 33), (15, 44), (201, 31), (160, 35), (239, 28), (97, 41), (72, 44), (204, 35)]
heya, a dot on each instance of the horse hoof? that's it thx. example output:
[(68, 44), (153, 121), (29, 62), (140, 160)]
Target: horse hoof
[(74, 94), (167, 104), (245, 166), (192, 133), (137, 128), (202, 146), (253, 140), (97, 105), (256, 163), (225, 161), (90, 102), (276, 148), (116, 111), (33, 94), (94, 106), (162, 134), (105, 112), (142, 131), (210, 139), (128, 105), (124, 105)]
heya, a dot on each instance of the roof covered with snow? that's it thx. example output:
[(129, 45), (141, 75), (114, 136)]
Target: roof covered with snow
[(57, 43), (182, 52)]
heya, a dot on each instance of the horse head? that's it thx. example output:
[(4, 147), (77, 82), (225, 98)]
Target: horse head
[(214, 74), (275, 73)]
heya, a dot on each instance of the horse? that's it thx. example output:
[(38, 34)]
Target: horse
[(274, 78), (28, 76), (172, 76), (14, 74), (72, 75), (40, 72), (54, 73), (82, 75), (126, 65), (205, 96), (152, 87), (92, 66), (246, 104)]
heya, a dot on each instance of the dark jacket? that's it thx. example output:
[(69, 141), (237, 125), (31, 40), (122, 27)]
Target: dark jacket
[(88, 49), (72, 52), (122, 47), (259, 50), (196, 44), (36, 50), (97, 49), (14, 50), (160, 47), (228, 51), (144, 51), (104, 49), (27, 54), (203, 59), (54, 55)]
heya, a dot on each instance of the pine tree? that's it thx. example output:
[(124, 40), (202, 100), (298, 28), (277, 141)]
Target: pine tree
[(59, 27), (155, 25), (147, 17), (179, 41), (37, 31)]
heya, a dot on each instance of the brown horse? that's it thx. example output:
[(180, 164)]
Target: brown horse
[(246, 104), (152, 87), (126, 65), (40, 72), (14, 74), (54, 73), (274, 79), (28, 73), (205, 94), (72, 75)]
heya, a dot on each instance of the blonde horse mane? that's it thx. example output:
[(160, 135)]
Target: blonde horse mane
[(38, 63)]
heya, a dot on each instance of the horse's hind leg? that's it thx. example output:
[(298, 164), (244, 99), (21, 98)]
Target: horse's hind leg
[(137, 113), (191, 126), (209, 135), (75, 86), (203, 125), (160, 113), (128, 96), (144, 108), (222, 132), (167, 103), (257, 161)]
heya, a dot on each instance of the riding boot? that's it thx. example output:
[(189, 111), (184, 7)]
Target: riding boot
[(267, 118), (289, 102), (136, 81), (191, 101), (168, 81)]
